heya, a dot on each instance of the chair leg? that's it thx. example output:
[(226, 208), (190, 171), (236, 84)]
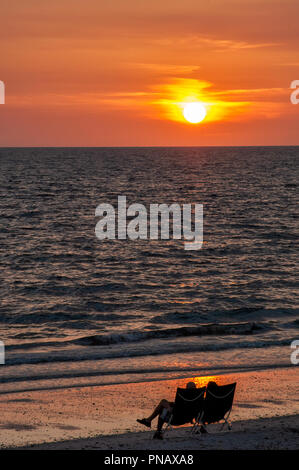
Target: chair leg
[(227, 422), (198, 422), (168, 425), (194, 428)]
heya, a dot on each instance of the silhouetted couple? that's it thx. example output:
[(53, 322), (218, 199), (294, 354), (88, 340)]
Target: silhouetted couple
[(163, 411)]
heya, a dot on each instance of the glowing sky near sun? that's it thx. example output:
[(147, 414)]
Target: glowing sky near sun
[(120, 73)]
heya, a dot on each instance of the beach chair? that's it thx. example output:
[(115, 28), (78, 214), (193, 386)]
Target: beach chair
[(217, 404), (188, 408)]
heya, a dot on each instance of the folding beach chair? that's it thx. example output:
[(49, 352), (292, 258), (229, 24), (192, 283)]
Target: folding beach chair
[(188, 407), (218, 404)]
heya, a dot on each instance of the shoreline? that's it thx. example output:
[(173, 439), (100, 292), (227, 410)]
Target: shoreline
[(96, 416), (70, 382)]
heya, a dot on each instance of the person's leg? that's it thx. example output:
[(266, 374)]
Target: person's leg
[(161, 420), (157, 411), (158, 434), (160, 424), (164, 417)]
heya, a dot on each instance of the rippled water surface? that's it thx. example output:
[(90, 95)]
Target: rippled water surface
[(70, 302)]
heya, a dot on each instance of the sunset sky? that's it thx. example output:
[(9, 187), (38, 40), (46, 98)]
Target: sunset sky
[(117, 73)]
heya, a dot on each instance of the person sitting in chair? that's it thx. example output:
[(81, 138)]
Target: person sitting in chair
[(163, 410)]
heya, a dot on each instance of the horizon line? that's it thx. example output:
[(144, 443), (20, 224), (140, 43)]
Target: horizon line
[(141, 146)]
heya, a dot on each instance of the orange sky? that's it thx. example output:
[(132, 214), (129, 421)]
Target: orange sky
[(113, 73)]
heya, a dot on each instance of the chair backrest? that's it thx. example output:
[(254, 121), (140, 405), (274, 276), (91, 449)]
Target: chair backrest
[(188, 404), (218, 401)]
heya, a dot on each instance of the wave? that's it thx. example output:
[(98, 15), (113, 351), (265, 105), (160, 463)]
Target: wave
[(162, 349), (69, 314), (68, 317), (209, 329), (254, 314), (139, 336)]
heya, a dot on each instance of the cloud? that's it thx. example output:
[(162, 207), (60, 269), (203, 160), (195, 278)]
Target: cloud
[(167, 69), (165, 101), (214, 43)]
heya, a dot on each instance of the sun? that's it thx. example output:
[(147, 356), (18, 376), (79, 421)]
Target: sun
[(194, 112)]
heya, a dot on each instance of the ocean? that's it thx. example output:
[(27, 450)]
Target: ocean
[(78, 311)]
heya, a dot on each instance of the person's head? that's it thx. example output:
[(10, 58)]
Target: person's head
[(191, 385), (212, 384)]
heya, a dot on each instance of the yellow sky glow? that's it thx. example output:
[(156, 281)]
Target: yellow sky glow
[(120, 73)]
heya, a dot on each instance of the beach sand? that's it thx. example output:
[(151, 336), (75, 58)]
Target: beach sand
[(265, 415)]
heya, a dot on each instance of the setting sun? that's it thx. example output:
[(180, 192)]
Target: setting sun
[(194, 112)]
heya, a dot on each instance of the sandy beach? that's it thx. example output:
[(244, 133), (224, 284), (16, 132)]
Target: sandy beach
[(149, 223), (265, 415)]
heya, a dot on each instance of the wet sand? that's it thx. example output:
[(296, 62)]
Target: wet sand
[(265, 415)]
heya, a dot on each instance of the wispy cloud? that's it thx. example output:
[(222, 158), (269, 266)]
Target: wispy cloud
[(167, 69), (214, 43), (232, 44), (167, 100)]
